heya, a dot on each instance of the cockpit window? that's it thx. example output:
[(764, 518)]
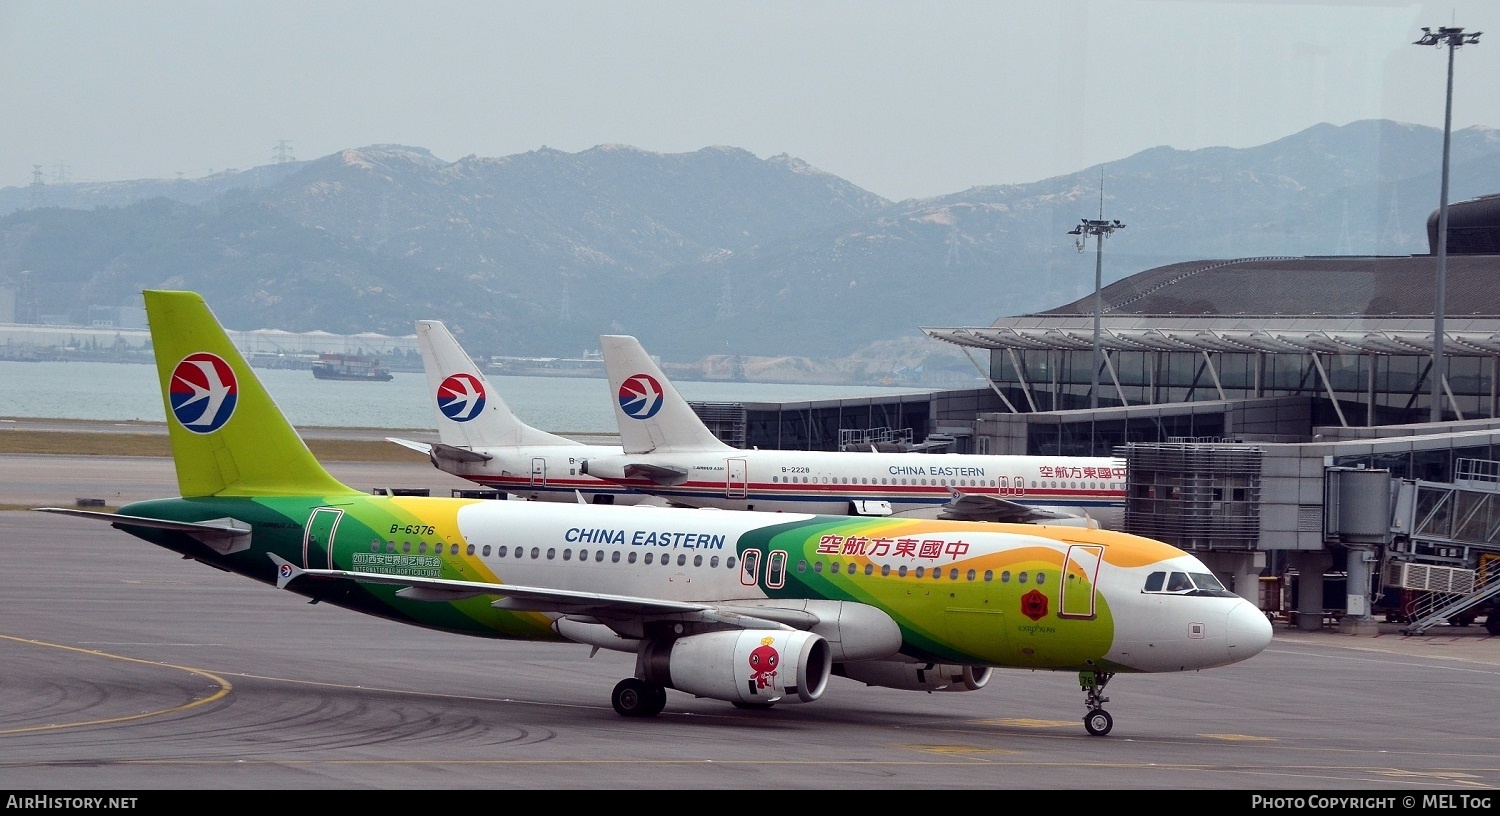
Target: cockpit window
[(1185, 583), (1206, 580)]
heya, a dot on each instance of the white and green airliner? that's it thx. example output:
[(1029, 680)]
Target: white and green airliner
[(752, 608)]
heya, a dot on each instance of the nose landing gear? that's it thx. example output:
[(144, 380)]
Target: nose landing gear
[(1098, 721)]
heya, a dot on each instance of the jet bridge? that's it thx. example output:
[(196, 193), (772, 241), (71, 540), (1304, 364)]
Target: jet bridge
[(1446, 545)]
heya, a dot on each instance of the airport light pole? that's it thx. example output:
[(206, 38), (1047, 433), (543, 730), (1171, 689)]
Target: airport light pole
[(1100, 229), (1452, 37)]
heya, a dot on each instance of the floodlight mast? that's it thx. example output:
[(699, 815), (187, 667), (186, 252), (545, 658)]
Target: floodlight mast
[(1453, 37), (1100, 229)]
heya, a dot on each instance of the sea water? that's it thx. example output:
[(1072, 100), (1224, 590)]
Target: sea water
[(122, 392)]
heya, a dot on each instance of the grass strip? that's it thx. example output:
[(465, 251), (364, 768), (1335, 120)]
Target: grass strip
[(84, 443)]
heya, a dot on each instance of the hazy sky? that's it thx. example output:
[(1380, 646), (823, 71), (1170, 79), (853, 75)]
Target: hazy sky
[(905, 99)]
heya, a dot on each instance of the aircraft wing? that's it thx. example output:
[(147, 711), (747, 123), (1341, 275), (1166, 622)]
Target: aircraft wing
[(518, 598), (442, 451), (988, 507), (660, 474)]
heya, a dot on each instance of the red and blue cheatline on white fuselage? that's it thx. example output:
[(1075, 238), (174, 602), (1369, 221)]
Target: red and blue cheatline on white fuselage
[(897, 483)]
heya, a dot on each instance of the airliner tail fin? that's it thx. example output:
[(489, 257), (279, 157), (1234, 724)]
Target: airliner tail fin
[(651, 414), (470, 413), (228, 436)]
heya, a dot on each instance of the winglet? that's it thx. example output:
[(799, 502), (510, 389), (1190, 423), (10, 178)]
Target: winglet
[(286, 571), (651, 414)]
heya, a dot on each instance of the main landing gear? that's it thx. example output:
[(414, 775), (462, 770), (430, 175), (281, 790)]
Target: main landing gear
[(1097, 721), (633, 697)]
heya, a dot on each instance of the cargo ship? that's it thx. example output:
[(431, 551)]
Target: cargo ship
[(350, 367)]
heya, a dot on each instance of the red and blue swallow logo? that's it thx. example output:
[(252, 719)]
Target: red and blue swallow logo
[(202, 392), (640, 396), (461, 397), (285, 570)]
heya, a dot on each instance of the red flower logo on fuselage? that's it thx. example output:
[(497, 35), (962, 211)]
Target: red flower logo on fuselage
[(1034, 605)]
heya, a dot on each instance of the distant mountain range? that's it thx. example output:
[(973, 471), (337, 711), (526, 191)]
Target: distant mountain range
[(715, 252)]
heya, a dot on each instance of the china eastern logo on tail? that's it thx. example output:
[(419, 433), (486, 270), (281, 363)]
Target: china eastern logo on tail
[(640, 396), (461, 397), (203, 391)]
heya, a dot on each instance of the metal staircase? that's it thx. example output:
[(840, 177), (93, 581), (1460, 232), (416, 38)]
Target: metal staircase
[(1438, 606)]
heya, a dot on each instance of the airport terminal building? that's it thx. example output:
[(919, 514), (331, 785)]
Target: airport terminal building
[(1274, 414)]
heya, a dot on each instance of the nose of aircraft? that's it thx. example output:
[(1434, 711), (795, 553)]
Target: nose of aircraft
[(1249, 631)]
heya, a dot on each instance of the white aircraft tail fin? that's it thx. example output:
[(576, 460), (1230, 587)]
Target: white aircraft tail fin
[(470, 414), (651, 414)]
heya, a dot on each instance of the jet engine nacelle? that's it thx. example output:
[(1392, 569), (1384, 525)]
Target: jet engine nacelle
[(603, 467), (916, 676), (745, 665)]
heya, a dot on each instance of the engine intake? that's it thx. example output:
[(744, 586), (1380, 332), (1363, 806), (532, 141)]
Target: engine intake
[(747, 666)]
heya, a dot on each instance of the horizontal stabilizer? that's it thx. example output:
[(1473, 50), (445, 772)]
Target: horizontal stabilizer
[(419, 447), (660, 474), (224, 535), (456, 454), (222, 527), (451, 453)]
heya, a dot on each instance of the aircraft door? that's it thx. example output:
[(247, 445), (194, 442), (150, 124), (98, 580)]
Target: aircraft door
[(736, 478), (317, 538), (776, 570), (538, 471), (750, 567), (1080, 575)]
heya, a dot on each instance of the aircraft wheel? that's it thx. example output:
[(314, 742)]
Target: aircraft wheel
[(1492, 621), (637, 698), (658, 699), (1098, 722)]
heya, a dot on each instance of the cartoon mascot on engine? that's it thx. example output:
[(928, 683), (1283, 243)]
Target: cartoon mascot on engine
[(763, 662)]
